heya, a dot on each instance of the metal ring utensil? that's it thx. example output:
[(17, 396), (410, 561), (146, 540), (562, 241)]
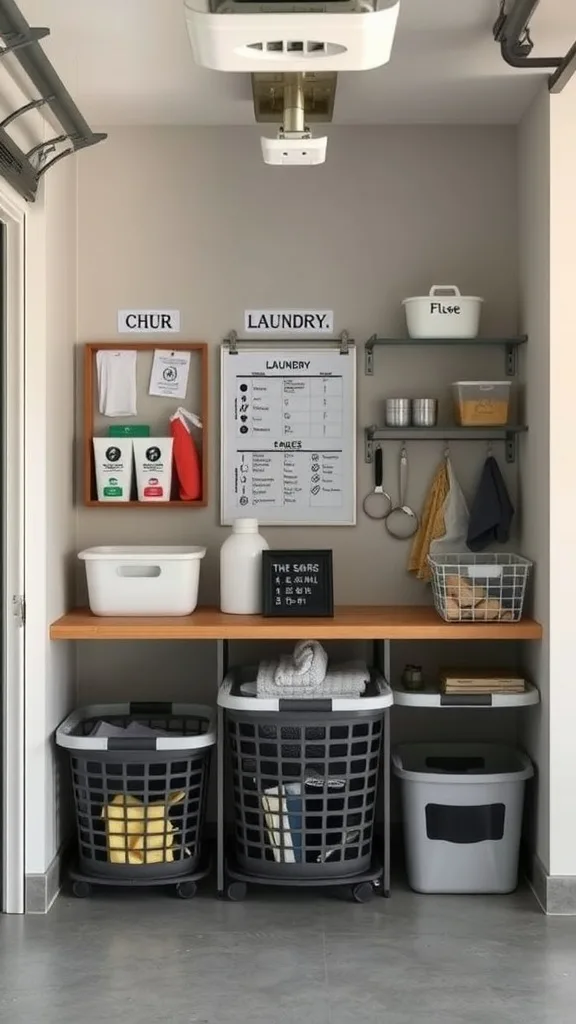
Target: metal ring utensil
[(378, 503), (402, 522)]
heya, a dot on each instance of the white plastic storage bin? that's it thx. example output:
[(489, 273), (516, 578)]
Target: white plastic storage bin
[(482, 403), (143, 580), (443, 313), (462, 809)]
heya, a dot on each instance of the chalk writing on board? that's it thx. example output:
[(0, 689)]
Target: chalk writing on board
[(297, 583)]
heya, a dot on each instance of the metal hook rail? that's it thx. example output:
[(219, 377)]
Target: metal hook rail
[(24, 170)]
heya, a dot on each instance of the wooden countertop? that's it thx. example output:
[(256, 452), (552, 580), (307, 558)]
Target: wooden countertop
[(354, 622)]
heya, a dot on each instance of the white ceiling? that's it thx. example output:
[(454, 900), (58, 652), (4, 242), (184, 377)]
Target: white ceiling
[(129, 62)]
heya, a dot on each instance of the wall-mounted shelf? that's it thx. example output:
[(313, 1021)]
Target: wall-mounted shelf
[(430, 697), (510, 346), (353, 622), (153, 410), (508, 434)]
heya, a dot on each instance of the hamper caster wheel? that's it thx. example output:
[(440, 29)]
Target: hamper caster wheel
[(363, 892), (81, 890), (236, 892), (186, 890)]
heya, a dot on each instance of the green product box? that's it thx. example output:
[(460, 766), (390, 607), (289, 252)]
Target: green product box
[(136, 430)]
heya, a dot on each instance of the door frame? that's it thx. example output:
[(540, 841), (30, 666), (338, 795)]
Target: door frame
[(13, 221)]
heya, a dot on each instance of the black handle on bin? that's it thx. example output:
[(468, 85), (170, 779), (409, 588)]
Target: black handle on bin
[(322, 704), (462, 700), (132, 743), (151, 707)]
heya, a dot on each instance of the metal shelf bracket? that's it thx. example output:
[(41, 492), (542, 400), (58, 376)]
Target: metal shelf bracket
[(369, 356), (368, 444), (511, 360), (511, 447), (18, 40)]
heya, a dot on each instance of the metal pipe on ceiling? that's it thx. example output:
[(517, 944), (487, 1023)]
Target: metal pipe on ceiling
[(512, 31), (294, 106)]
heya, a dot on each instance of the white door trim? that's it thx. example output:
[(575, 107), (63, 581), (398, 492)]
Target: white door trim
[(13, 720)]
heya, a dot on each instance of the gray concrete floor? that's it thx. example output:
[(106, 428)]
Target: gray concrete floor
[(282, 958)]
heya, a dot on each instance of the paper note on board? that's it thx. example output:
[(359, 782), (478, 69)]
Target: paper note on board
[(170, 372)]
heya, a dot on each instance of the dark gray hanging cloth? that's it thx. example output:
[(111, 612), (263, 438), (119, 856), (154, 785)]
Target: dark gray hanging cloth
[(492, 511)]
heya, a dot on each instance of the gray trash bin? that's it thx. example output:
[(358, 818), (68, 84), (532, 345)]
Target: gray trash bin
[(462, 809)]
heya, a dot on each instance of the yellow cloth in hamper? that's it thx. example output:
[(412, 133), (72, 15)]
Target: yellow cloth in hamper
[(432, 524), (140, 833)]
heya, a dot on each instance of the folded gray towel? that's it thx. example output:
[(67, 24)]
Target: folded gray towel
[(305, 669), (303, 676), (298, 676), (348, 680)]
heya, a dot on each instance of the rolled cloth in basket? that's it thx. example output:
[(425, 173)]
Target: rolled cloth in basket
[(303, 675)]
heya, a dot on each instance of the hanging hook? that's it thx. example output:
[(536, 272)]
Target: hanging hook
[(446, 450), (489, 450)]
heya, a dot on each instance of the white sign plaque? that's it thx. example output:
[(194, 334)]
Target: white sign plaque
[(289, 321), (148, 321)]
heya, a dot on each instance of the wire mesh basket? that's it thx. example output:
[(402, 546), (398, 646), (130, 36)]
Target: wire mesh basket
[(479, 588), (140, 798), (304, 784)]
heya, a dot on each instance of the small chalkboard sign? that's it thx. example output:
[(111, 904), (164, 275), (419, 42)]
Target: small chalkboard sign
[(297, 583)]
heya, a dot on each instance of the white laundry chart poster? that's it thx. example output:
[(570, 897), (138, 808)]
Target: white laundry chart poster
[(289, 435)]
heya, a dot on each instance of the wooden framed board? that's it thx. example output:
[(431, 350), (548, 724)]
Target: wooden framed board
[(288, 427), (155, 411)]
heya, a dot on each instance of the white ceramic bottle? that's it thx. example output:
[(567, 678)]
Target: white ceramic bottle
[(241, 569)]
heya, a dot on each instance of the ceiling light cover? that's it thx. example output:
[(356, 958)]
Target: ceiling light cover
[(339, 35)]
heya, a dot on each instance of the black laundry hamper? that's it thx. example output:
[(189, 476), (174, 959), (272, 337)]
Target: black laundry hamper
[(305, 777), (140, 800)]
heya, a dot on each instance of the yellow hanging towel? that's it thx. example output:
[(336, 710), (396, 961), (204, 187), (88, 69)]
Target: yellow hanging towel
[(432, 524), (139, 833)]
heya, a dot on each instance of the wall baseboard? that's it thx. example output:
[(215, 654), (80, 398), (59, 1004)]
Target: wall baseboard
[(40, 891), (556, 894)]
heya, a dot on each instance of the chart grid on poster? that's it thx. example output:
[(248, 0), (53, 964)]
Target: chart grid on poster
[(289, 434)]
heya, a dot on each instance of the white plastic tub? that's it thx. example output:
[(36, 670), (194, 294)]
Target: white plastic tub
[(443, 313), (462, 808), (142, 580)]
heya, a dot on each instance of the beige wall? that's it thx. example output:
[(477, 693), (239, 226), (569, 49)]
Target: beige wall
[(191, 218), (534, 253)]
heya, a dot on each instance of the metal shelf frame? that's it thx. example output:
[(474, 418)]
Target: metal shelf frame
[(24, 170), (508, 434), (510, 346)]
